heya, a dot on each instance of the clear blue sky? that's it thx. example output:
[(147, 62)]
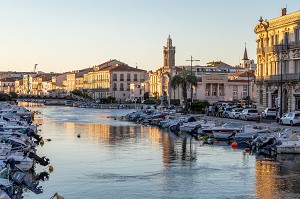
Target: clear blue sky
[(65, 35)]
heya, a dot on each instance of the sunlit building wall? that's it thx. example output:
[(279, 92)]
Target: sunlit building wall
[(278, 61)]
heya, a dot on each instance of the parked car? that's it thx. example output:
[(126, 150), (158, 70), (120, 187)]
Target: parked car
[(226, 112), (269, 112), (235, 113), (291, 118), (249, 114)]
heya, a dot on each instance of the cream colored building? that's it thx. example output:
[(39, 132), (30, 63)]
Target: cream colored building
[(278, 61), (7, 85), (215, 87), (112, 78)]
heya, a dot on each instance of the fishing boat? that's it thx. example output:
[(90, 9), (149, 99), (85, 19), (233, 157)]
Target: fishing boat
[(290, 145)]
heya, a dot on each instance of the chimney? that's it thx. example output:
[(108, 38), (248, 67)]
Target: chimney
[(283, 11)]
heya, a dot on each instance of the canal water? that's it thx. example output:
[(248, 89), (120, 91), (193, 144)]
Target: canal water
[(119, 159)]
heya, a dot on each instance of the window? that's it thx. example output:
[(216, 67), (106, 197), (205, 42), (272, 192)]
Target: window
[(276, 39), (286, 38), (115, 87), (207, 90), (214, 89), (135, 77), (245, 91), (297, 66), (142, 78), (297, 31), (121, 87), (128, 77), (121, 77), (235, 92), (115, 77), (272, 40), (285, 67)]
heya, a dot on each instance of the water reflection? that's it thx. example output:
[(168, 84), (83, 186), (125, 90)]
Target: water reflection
[(175, 149), (278, 178), (114, 158)]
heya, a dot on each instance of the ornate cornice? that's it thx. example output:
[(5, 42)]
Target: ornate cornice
[(292, 18)]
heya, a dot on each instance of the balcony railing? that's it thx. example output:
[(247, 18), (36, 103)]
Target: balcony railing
[(122, 79), (121, 89), (277, 78), (128, 79), (279, 47), (135, 80)]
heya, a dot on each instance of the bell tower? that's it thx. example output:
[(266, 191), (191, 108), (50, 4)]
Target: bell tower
[(245, 61), (169, 55)]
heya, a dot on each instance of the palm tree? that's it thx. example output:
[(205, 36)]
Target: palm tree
[(184, 80)]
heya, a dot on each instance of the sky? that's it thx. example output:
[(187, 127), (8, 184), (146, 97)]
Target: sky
[(66, 35)]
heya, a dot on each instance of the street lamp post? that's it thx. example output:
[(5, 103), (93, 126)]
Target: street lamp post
[(192, 60), (248, 89), (281, 95)]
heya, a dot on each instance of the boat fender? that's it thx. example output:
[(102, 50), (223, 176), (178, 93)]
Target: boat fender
[(42, 141), (234, 145), (51, 168)]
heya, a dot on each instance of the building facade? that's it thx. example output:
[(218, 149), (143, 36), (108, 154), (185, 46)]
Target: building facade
[(159, 80), (278, 62)]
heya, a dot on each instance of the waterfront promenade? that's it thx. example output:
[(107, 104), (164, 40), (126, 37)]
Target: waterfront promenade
[(271, 124)]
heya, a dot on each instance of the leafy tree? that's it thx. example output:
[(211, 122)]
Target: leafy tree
[(146, 95), (111, 99), (184, 79), (4, 97), (13, 95), (199, 105), (148, 101), (77, 92)]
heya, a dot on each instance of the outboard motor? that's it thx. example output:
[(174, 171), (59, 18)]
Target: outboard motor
[(41, 160), (268, 142)]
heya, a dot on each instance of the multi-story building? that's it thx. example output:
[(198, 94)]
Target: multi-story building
[(79, 80), (112, 78), (120, 78), (19, 87), (7, 85), (215, 87), (39, 84), (278, 62)]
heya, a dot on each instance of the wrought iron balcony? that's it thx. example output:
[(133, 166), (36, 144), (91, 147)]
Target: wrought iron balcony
[(277, 78), (278, 48)]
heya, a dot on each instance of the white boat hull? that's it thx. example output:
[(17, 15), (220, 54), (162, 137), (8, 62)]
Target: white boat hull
[(291, 148)]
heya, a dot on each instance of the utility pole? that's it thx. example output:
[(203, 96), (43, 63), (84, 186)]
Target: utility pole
[(192, 60)]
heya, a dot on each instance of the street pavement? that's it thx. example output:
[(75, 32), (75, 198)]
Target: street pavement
[(263, 123)]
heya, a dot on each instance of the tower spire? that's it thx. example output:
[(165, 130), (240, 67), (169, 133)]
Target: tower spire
[(245, 57), (169, 41)]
